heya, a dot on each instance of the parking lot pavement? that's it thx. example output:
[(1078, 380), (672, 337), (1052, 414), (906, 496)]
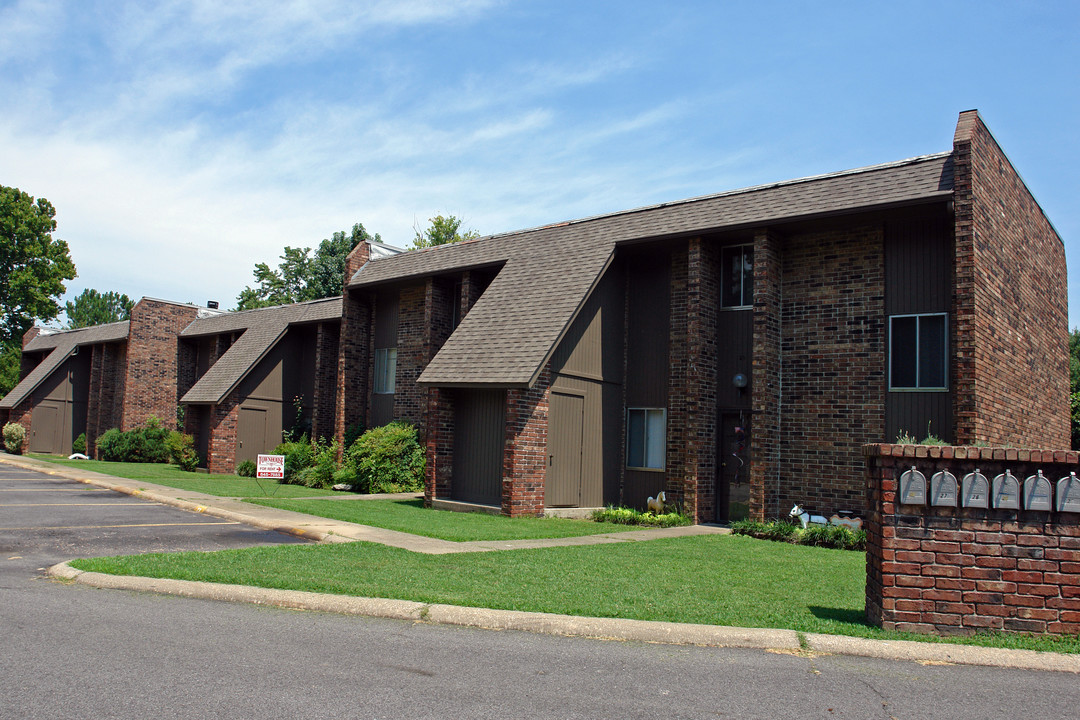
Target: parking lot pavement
[(46, 519)]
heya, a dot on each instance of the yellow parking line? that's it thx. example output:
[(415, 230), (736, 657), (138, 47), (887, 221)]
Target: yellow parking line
[(99, 504), (98, 527), (78, 489)]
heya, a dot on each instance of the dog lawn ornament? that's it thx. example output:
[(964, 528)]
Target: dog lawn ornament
[(656, 504), (806, 518)]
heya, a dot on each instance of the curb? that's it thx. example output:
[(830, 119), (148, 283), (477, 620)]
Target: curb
[(715, 636)]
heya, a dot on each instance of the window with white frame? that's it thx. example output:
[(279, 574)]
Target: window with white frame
[(385, 370), (646, 438), (737, 276), (918, 352)]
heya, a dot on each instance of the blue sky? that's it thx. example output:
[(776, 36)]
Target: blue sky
[(182, 142)]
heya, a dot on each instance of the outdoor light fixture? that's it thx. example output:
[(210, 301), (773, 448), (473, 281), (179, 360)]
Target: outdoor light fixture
[(739, 381)]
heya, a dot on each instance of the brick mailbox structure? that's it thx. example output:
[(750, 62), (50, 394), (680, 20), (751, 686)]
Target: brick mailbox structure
[(937, 562)]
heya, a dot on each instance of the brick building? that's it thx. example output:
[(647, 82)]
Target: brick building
[(248, 376), (92, 379), (735, 350)]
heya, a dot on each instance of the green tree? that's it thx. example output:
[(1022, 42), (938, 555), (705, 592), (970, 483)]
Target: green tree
[(33, 265), (10, 366), (91, 307), (301, 276), (442, 231)]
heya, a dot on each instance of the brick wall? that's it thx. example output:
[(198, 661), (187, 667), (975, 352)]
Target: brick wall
[(833, 367), (439, 445), (410, 400), (765, 380), (325, 385), (221, 448), (1011, 309), (959, 570), (354, 369), (525, 456), (692, 413), (150, 386)]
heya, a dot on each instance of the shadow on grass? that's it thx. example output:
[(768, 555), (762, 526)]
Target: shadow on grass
[(844, 615)]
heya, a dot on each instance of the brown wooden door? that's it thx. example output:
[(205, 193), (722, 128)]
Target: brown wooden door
[(251, 434), (565, 425), (46, 427)]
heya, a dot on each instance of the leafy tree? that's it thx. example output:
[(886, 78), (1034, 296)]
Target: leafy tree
[(33, 265), (300, 276), (443, 231), (91, 307), (10, 366)]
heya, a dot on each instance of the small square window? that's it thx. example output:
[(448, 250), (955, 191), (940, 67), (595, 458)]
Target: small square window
[(385, 370), (918, 352), (737, 279), (646, 438)]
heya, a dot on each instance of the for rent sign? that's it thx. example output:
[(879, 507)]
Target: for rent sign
[(271, 467)]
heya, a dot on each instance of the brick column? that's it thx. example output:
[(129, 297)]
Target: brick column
[(439, 445), (354, 368), (678, 410), (766, 375), (525, 454), (324, 400)]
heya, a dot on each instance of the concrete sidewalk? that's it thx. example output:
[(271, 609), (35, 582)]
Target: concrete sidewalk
[(324, 530)]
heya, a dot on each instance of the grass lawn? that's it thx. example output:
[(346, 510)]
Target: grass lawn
[(412, 517), (718, 580), (172, 476)]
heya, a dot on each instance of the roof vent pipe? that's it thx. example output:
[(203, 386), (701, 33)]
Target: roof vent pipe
[(212, 304)]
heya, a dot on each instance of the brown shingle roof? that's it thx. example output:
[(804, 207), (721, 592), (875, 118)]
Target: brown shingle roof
[(261, 329), (548, 272), (62, 345)]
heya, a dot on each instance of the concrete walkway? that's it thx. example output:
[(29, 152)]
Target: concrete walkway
[(324, 530)]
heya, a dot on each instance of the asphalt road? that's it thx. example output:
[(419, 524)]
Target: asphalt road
[(69, 651)]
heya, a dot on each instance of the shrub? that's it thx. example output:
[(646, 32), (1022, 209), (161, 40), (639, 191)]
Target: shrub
[(297, 457), (14, 436), (832, 536), (181, 449), (629, 516), (78, 445), (144, 444), (246, 469), (386, 459)]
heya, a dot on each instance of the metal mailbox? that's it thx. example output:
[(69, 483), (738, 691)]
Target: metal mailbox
[(1068, 494), (943, 490), (975, 490), (1037, 492), (1006, 491), (912, 487)]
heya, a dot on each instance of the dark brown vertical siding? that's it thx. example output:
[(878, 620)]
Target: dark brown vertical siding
[(736, 338), (263, 405), (648, 298), (479, 439), (588, 364), (918, 279)]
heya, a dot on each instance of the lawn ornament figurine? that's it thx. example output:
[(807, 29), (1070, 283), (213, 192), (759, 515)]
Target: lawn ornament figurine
[(807, 519), (656, 504)]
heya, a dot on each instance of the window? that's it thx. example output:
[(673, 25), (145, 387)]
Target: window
[(737, 280), (918, 348), (385, 370), (646, 434)]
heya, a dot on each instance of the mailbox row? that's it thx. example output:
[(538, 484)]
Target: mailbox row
[(1004, 492)]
